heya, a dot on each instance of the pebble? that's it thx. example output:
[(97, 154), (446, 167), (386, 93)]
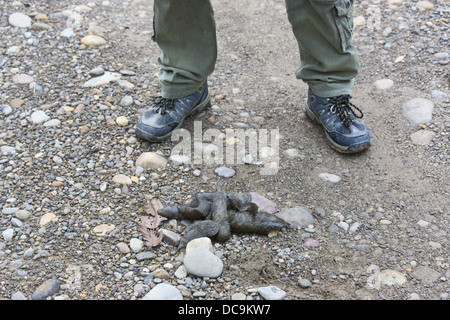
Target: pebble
[(272, 293), (264, 204), (179, 159), (145, 255), (39, 116), (418, 110), (103, 229), (304, 283), (122, 179), (292, 153), (203, 242), (95, 72), (225, 172), (93, 41), (47, 218), (8, 234), (296, 217), (163, 291), (23, 215), (67, 33), (436, 94), (106, 78), (136, 244), (19, 20), (391, 277), (151, 160), (425, 5), (46, 289), (422, 137), (384, 84), (22, 79), (201, 262), (238, 296), (330, 177), (123, 247), (52, 123), (126, 101), (18, 296), (426, 274)]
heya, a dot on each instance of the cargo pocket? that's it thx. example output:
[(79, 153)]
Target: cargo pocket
[(344, 23)]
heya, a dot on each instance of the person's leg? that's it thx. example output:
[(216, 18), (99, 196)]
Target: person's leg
[(323, 29), (186, 33), (329, 63)]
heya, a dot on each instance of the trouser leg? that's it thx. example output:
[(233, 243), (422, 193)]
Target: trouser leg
[(328, 59), (185, 31)]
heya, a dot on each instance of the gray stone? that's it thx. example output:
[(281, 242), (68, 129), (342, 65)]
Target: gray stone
[(46, 289), (225, 172), (425, 274), (163, 291), (304, 283), (18, 296), (39, 116), (19, 20), (418, 110), (296, 217), (126, 101), (67, 33), (146, 255), (106, 78), (272, 293), (8, 234), (201, 262), (436, 94)]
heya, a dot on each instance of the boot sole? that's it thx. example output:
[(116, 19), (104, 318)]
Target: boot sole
[(356, 148), (202, 106)]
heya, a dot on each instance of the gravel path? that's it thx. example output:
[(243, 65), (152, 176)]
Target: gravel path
[(74, 77)]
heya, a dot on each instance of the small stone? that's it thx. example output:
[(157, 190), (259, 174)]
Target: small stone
[(122, 121), (330, 177), (359, 21), (384, 84), (8, 234), (163, 291), (203, 242), (52, 123), (96, 72), (93, 40), (425, 5), (309, 242), (102, 230), (126, 101), (238, 296), (136, 244), (425, 274), (146, 255), (123, 247), (16, 103), (422, 137), (22, 79), (296, 217), (423, 223), (161, 273), (151, 160), (418, 110), (23, 215), (122, 179), (40, 26), (106, 78), (391, 277), (18, 296), (181, 272), (201, 262), (264, 204), (225, 172), (180, 159), (19, 20), (292, 153), (67, 33), (171, 237), (47, 218), (272, 293), (46, 289), (304, 283), (436, 94)]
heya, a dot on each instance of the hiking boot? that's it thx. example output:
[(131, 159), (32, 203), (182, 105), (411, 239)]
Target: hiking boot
[(159, 121), (343, 127)]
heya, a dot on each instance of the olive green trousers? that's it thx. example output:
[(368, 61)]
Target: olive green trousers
[(185, 31)]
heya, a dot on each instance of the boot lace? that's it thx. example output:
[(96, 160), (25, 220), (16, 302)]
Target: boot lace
[(342, 106), (163, 105)]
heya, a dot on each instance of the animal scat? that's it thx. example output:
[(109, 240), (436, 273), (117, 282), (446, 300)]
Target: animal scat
[(258, 223)]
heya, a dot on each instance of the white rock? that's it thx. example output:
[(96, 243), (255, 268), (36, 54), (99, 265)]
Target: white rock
[(136, 244), (22, 79), (163, 291), (19, 20), (93, 40), (225, 172), (181, 272), (52, 123), (8, 234), (418, 110), (201, 262), (67, 33), (384, 84), (422, 137), (106, 78), (179, 159), (391, 277), (203, 242), (151, 160), (330, 177), (272, 293), (39, 116)]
